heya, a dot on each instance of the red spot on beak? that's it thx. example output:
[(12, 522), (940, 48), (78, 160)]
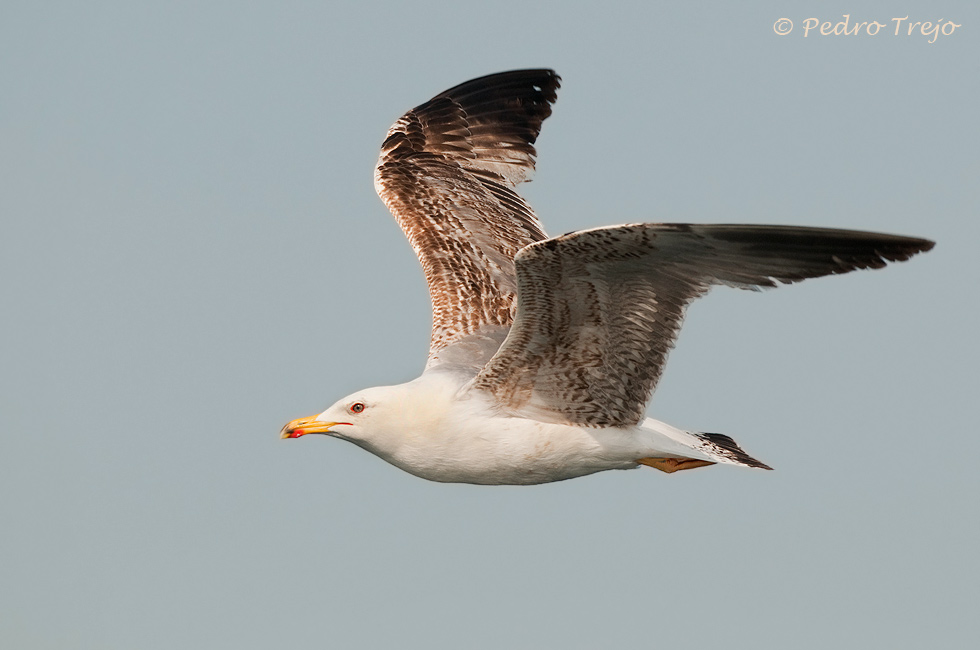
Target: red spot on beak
[(297, 433)]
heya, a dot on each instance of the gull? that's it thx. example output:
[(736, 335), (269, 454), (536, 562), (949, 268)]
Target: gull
[(545, 351)]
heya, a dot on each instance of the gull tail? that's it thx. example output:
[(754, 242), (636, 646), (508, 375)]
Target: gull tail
[(678, 449), (720, 444)]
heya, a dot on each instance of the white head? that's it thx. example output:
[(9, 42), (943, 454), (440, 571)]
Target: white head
[(364, 418), (380, 419)]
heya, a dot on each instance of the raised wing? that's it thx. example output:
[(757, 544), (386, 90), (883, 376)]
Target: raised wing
[(599, 310), (447, 171)]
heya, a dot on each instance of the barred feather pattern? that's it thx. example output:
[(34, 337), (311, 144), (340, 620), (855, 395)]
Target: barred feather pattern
[(447, 170), (599, 310)]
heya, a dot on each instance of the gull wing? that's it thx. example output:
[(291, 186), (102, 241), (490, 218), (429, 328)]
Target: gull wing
[(447, 172), (599, 310)]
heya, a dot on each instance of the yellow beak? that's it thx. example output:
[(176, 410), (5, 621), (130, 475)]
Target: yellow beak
[(303, 426)]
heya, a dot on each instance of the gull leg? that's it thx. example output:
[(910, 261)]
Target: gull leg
[(671, 465)]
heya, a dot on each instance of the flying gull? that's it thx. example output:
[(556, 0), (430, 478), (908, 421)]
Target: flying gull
[(545, 351)]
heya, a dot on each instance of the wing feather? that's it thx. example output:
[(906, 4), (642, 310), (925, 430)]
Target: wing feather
[(447, 171), (599, 310)]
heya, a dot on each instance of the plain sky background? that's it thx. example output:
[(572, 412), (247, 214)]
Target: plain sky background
[(192, 254)]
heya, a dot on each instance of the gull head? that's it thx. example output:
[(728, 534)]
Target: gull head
[(351, 418), (378, 419)]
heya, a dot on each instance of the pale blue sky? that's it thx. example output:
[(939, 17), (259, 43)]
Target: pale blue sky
[(192, 254)]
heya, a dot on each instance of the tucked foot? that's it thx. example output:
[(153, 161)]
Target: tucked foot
[(671, 465)]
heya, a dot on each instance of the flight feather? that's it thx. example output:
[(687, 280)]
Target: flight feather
[(447, 172), (600, 309)]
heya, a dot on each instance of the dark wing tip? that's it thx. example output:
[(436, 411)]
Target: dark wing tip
[(924, 245), (898, 248), (817, 251), (487, 125), (506, 106), (540, 84)]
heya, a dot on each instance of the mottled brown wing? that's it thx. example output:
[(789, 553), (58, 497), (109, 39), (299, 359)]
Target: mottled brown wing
[(599, 310), (447, 171)]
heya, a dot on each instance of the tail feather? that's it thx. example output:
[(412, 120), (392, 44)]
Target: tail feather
[(719, 443)]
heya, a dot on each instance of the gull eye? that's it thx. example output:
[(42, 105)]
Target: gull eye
[(356, 407)]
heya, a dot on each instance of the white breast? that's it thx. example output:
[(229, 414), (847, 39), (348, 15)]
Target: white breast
[(467, 441)]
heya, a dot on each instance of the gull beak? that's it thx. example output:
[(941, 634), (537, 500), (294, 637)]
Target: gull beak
[(303, 426)]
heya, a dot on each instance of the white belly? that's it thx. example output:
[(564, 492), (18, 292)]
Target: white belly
[(514, 451)]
